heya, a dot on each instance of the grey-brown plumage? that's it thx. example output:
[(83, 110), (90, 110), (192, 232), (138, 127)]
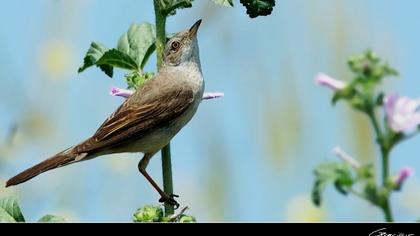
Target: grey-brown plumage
[(149, 118)]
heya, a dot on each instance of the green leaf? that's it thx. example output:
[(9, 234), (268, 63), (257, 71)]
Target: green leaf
[(147, 55), (116, 58), (95, 52), (178, 4), (52, 219), (5, 217), (317, 190), (226, 3), (255, 8), (107, 69), (138, 43), (331, 172), (11, 206)]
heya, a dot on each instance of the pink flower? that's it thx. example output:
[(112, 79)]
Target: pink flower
[(346, 157), (402, 175), (329, 82), (127, 93), (402, 113), (120, 92), (207, 96)]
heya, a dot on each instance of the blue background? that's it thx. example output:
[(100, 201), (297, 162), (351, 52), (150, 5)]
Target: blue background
[(246, 157)]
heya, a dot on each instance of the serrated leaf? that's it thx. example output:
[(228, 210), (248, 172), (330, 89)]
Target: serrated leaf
[(138, 42), (52, 219), (95, 52), (226, 3), (107, 69), (255, 8), (116, 58), (178, 4), (11, 206), (5, 217)]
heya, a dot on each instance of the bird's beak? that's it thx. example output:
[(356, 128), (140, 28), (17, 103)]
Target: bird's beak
[(194, 28)]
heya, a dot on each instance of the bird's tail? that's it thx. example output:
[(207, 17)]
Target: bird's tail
[(60, 159)]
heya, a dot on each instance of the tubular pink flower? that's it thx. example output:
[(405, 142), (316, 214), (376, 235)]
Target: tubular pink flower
[(402, 113), (207, 96), (120, 92), (329, 82), (346, 157), (127, 93), (402, 176)]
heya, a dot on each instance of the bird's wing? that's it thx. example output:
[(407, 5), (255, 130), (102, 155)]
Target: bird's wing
[(136, 117)]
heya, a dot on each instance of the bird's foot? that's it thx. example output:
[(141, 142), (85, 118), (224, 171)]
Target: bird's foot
[(170, 199)]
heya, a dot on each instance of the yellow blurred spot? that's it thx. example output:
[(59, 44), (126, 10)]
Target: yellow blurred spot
[(301, 209), (55, 58)]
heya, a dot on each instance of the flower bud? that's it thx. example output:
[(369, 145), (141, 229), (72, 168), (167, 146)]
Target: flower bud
[(402, 176)]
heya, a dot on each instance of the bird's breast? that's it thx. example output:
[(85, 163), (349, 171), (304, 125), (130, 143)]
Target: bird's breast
[(159, 138)]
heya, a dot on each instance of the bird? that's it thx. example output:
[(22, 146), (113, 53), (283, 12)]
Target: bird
[(148, 119)]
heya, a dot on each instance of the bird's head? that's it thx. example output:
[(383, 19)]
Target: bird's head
[(183, 47)]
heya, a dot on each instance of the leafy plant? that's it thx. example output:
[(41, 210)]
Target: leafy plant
[(10, 212), (400, 121), (132, 53)]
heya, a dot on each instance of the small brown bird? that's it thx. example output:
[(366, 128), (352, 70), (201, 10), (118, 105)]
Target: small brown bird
[(148, 119)]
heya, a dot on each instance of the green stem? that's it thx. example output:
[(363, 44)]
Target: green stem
[(160, 33), (376, 127), (385, 205), (385, 165), (166, 151)]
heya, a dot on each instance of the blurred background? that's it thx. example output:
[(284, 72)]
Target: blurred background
[(246, 157)]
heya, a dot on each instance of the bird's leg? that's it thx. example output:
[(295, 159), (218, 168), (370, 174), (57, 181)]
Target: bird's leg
[(164, 197)]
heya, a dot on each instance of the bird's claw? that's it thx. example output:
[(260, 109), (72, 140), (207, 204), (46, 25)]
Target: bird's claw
[(170, 199)]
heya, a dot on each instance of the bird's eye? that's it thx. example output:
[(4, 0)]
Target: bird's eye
[(175, 45)]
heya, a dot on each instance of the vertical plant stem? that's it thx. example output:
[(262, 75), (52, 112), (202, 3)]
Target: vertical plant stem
[(166, 151), (160, 19), (167, 177), (385, 165), (385, 204)]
